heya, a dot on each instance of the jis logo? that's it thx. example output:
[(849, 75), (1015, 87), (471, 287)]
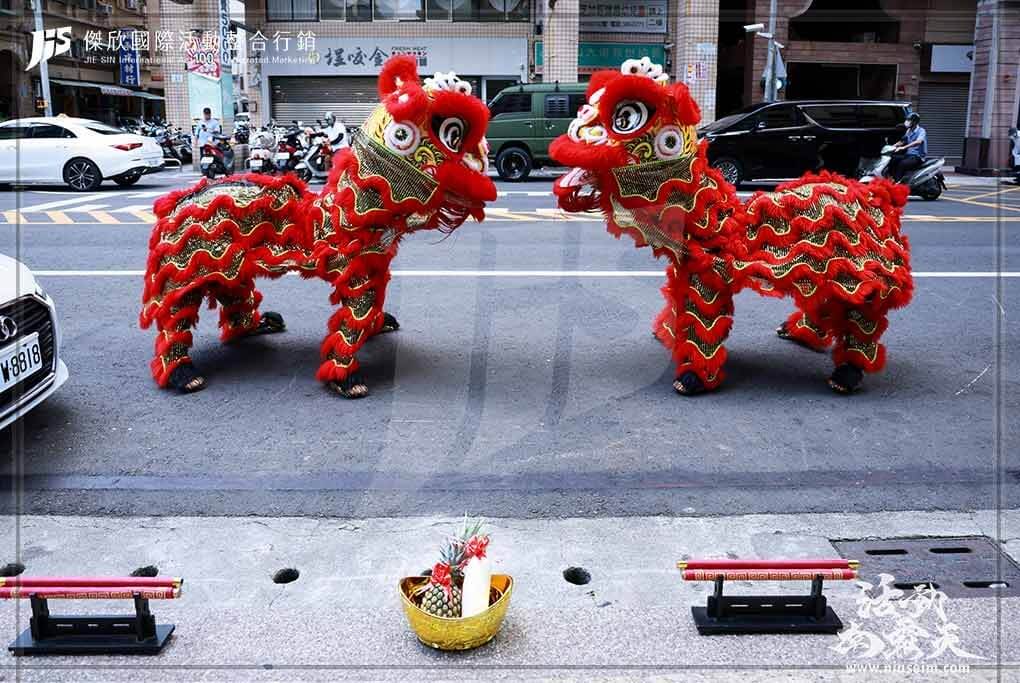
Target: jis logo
[(51, 42)]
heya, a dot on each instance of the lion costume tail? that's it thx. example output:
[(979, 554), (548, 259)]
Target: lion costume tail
[(211, 241)]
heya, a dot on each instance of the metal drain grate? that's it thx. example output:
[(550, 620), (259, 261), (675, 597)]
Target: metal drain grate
[(960, 566)]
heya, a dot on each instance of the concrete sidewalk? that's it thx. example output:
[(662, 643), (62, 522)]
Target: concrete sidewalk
[(342, 618)]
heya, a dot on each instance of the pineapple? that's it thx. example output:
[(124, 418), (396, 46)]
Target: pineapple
[(436, 602), (443, 595)]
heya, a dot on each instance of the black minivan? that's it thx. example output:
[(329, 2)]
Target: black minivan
[(786, 139)]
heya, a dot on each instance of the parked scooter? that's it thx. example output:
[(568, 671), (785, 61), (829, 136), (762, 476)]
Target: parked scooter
[(290, 149), (263, 148), (217, 157), (1014, 154), (926, 181)]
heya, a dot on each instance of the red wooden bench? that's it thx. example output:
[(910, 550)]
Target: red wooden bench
[(729, 614), (80, 635)]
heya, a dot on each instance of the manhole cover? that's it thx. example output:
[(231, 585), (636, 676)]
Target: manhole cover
[(959, 566)]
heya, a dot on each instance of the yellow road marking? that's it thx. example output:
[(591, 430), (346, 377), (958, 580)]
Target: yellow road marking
[(59, 217), (985, 205), (103, 217), (1000, 191)]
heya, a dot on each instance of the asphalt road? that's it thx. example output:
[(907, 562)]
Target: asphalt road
[(515, 394)]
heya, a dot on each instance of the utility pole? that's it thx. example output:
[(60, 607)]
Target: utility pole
[(44, 72), (770, 60)]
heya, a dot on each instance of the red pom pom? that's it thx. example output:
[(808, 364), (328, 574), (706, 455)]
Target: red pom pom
[(398, 70), (686, 109)]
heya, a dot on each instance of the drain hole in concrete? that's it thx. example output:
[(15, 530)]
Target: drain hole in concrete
[(148, 570), (986, 584), (578, 576), (286, 575), (911, 585), (948, 551), (886, 551), (12, 569)]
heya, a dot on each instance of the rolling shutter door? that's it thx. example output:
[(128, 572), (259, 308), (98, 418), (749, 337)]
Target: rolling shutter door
[(307, 98), (943, 110)]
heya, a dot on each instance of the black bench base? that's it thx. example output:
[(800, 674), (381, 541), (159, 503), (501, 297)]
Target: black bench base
[(732, 614), (129, 634), (734, 625), (109, 644)]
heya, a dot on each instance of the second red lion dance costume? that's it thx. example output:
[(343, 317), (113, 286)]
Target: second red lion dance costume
[(419, 162), (831, 244)]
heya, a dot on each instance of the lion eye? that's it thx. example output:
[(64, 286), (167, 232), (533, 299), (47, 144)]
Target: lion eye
[(451, 132), (629, 116), (401, 137)]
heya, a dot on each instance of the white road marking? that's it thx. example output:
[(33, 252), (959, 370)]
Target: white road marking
[(528, 273), (78, 199)]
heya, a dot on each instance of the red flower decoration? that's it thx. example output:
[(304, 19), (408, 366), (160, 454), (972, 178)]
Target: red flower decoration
[(476, 547), (441, 576)]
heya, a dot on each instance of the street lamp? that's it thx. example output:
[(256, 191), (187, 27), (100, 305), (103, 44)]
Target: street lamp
[(770, 62)]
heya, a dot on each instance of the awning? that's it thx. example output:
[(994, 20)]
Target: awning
[(108, 89)]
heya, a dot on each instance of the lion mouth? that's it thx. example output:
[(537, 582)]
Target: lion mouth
[(577, 190)]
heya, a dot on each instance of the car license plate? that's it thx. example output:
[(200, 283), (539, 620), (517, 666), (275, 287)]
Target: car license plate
[(19, 360), (207, 160), (282, 156), (256, 163)]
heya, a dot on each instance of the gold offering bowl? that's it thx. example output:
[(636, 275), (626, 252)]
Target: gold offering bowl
[(455, 634)]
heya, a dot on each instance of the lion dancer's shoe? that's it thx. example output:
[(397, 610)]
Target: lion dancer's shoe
[(694, 326), (799, 329)]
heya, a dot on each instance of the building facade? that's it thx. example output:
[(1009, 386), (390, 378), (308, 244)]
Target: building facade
[(307, 57), (101, 76)]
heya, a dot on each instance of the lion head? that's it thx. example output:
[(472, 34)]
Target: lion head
[(633, 117), (422, 152)]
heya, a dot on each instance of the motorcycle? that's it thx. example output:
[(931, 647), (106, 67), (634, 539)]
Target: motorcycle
[(927, 181), (291, 148), (260, 160), (324, 144), (217, 157)]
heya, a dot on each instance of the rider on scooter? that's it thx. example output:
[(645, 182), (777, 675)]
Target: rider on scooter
[(914, 145)]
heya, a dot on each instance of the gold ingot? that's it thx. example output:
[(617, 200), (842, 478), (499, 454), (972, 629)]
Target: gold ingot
[(455, 634)]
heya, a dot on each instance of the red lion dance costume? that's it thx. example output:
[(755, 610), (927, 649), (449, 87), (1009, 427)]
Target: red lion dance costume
[(418, 162), (831, 244)]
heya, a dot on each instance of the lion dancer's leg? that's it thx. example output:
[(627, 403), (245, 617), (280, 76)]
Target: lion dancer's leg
[(858, 349), (172, 365), (694, 325), (361, 298), (240, 316), (813, 332)]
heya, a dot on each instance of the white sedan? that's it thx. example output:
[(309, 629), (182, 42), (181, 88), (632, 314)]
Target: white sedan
[(79, 152), (30, 364)]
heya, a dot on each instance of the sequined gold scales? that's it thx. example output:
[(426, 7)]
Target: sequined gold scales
[(418, 163)]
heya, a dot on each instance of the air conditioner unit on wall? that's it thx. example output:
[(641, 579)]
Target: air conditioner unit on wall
[(106, 10), (131, 4)]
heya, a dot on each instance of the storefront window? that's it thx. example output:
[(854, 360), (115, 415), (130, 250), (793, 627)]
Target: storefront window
[(439, 10), (335, 10), (479, 10), (292, 10), (359, 10), (518, 10), (399, 10)]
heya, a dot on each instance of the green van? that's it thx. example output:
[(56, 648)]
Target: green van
[(524, 119)]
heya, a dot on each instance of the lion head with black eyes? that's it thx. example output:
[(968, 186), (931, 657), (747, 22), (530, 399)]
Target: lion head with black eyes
[(421, 157), (633, 117)]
